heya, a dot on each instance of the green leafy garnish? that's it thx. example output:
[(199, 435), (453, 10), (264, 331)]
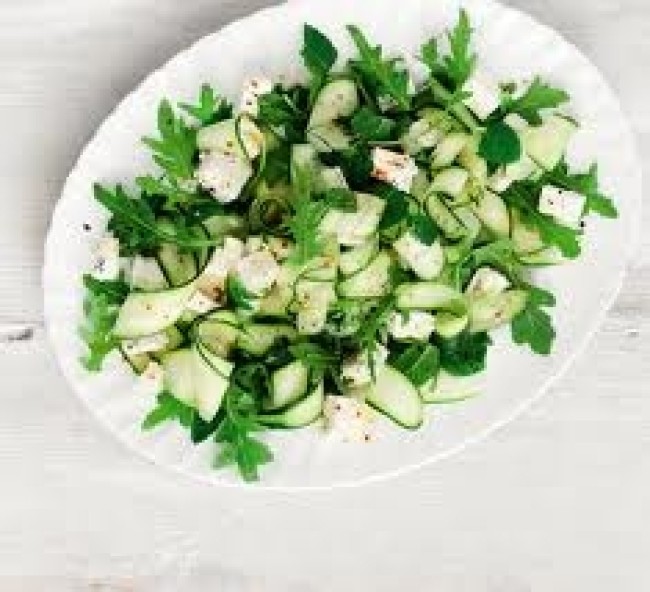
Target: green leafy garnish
[(314, 356), (461, 61), (371, 127), (170, 189), (281, 111), (423, 227), (534, 325), (524, 195), (210, 107), (340, 199), (238, 446), (237, 295), (500, 144), (174, 150), (319, 56), (538, 96), (464, 354), (135, 225), (388, 76), (101, 307), (585, 183), (168, 408), (419, 362)]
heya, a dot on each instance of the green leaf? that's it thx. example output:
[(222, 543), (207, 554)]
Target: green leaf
[(524, 196), (533, 325), (101, 307), (397, 206), (423, 227), (430, 56), (586, 184), (388, 76), (461, 61), (210, 109), (538, 96), (169, 189), (319, 56), (500, 144), (419, 362), (315, 356), (500, 255), (174, 150), (370, 126), (134, 223), (237, 295), (168, 408), (283, 111), (464, 354)]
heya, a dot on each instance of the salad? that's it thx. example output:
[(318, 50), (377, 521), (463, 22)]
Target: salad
[(337, 249)]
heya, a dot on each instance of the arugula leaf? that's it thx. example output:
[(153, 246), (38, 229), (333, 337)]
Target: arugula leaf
[(238, 447), (319, 56), (283, 111), (316, 357), (538, 96), (500, 144), (134, 224), (500, 255), (365, 339), (369, 126), (101, 307), (388, 76), (201, 430), (168, 408), (174, 151), (464, 354), (237, 295), (461, 61), (341, 199), (419, 362), (423, 227), (534, 325), (170, 189), (211, 107), (585, 183), (524, 196)]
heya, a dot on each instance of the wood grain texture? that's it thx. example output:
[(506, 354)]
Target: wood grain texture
[(555, 501)]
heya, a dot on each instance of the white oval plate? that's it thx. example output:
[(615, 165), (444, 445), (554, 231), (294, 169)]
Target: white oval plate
[(269, 42)]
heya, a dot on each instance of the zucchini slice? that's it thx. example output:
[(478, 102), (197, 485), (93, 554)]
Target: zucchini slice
[(146, 313), (355, 259), (493, 212), (288, 385), (258, 339), (492, 310), (547, 143), (300, 414), (449, 389), (336, 99), (440, 213), (430, 296), (371, 282)]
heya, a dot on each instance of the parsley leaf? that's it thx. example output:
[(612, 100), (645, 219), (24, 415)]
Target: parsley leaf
[(238, 447), (524, 195), (387, 76), (284, 112), (168, 408), (464, 354), (175, 149), (430, 56), (585, 183), (397, 206), (101, 307), (237, 294), (341, 199), (500, 144), (461, 61), (369, 126), (423, 227), (210, 108), (538, 96), (534, 325), (319, 56)]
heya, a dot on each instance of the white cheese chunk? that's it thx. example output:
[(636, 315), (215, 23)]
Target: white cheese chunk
[(106, 259), (252, 90), (425, 260), (485, 94), (258, 272), (565, 206), (348, 418), (394, 168), (200, 303), (223, 175), (487, 281), (413, 325), (146, 344), (212, 280), (356, 369)]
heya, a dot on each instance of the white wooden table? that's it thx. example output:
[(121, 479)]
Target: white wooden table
[(556, 501)]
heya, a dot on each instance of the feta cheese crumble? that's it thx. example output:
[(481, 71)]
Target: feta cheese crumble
[(252, 90), (347, 418), (106, 263), (356, 369), (396, 169), (564, 206), (223, 175), (414, 325)]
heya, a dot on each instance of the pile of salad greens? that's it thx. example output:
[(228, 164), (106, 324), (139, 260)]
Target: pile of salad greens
[(338, 248)]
